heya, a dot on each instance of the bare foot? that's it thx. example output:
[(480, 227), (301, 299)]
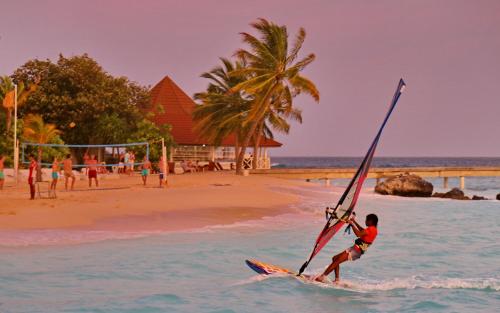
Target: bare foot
[(321, 279)]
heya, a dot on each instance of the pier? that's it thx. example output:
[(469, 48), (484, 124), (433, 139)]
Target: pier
[(327, 174)]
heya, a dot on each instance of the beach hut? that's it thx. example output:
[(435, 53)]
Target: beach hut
[(171, 105)]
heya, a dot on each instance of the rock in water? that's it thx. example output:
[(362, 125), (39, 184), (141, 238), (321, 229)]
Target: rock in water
[(498, 196), (474, 197), (455, 193), (405, 185)]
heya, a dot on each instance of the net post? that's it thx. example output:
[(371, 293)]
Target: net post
[(164, 160), (16, 162), (15, 134)]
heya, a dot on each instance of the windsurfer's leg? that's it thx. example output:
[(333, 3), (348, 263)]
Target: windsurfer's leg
[(336, 260), (342, 257)]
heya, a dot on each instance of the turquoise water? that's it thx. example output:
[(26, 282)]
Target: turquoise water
[(432, 255)]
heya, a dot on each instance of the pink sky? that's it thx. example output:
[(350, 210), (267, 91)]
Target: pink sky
[(447, 51)]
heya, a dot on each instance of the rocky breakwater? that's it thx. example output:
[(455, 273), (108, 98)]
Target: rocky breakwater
[(405, 185), (457, 194)]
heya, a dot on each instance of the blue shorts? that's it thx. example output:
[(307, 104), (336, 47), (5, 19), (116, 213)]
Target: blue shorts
[(2, 176), (161, 175), (145, 172), (55, 175)]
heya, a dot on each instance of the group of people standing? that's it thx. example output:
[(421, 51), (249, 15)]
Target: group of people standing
[(67, 171), (91, 169), (146, 170)]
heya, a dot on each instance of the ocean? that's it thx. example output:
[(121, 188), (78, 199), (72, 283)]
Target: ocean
[(432, 255), (346, 162)]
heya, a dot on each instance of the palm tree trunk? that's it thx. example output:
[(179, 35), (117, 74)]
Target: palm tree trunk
[(236, 147), (253, 128), (39, 165), (246, 142), (256, 144)]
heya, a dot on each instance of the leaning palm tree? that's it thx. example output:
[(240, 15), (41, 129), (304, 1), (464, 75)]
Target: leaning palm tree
[(273, 76), (7, 96), (275, 119), (37, 131), (221, 113)]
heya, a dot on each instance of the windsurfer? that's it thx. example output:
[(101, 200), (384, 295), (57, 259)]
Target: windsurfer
[(366, 236)]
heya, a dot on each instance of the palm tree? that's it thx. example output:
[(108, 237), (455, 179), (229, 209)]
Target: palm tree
[(273, 78), (37, 131), (275, 119), (7, 95), (221, 112)]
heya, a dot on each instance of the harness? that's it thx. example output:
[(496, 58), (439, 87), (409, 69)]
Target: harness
[(362, 245)]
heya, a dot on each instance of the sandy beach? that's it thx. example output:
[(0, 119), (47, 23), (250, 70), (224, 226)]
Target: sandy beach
[(190, 201)]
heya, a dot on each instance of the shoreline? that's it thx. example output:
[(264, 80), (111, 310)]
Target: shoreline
[(124, 205)]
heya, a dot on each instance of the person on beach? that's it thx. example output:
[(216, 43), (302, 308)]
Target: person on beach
[(2, 175), (85, 161), (126, 160), (55, 174), (132, 161), (366, 237), (146, 167), (68, 172), (162, 171), (92, 166), (33, 166)]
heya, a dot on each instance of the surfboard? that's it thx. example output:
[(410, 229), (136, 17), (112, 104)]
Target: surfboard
[(270, 269)]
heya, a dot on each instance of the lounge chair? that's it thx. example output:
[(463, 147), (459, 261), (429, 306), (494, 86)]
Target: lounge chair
[(211, 166), (186, 168), (171, 167)]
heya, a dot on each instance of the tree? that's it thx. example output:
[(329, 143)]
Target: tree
[(81, 98), (221, 113), (147, 131), (37, 131), (7, 95), (273, 77)]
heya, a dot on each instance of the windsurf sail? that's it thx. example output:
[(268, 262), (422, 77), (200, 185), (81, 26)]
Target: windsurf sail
[(339, 216)]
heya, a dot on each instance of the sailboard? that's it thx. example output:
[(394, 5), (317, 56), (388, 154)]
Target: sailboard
[(267, 269), (270, 269), (340, 215)]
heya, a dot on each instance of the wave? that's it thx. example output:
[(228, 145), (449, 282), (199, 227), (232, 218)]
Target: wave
[(52, 237), (417, 282), (409, 283)]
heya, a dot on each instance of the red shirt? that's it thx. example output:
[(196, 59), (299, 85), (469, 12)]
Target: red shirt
[(370, 234), (33, 165)]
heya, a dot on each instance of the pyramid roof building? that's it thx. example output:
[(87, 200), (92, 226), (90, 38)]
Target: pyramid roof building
[(177, 108)]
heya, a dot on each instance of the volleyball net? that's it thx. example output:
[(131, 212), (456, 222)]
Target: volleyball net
[(107, 154)]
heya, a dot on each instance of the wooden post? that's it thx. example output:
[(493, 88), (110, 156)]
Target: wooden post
[(171, 158), (462, 182), (16, 144), (445, 182), (164, 161)]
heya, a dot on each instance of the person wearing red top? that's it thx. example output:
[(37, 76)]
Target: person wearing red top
[(31, 182), (366, 236)]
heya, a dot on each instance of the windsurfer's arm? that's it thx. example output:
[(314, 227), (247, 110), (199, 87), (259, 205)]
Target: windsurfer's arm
[(358, 230)]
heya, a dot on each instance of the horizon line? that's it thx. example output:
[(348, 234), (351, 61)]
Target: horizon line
[(347, 156)]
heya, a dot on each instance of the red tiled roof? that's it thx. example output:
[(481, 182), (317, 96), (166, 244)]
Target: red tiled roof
[(177, 110)]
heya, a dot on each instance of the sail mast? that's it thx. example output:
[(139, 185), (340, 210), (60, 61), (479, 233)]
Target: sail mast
[(347, 202)]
